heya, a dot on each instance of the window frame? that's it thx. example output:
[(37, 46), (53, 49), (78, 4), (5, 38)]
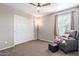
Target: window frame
[(57, 15)]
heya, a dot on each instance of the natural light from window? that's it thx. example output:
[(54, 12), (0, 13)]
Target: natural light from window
[(64, 23)]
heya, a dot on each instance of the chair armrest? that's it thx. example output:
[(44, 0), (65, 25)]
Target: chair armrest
[(72, 43)]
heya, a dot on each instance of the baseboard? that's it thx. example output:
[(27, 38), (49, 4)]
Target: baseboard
[(45, 40), (14, 45), (23, 42), (7, 47)]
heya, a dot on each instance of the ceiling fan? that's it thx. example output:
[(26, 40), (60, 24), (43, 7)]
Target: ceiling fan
[(39, 5)]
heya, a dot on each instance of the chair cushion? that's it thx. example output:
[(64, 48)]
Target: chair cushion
[(73, 34), (65, 35)]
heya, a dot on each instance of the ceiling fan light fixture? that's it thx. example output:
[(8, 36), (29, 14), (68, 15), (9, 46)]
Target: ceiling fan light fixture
[(39, 5), (38, 9)]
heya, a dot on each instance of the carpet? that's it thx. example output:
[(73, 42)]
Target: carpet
[(34, 48)]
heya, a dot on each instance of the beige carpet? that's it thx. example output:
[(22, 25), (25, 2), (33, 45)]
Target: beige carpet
[(34, 48)]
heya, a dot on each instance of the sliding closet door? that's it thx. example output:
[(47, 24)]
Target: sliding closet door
[(23, 29)]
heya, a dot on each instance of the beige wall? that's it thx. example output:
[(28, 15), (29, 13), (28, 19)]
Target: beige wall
[(8, 32), (47, 31), (6, 27)]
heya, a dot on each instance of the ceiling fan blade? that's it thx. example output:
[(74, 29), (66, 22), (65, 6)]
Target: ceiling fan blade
[(33, 4), (45, 4)]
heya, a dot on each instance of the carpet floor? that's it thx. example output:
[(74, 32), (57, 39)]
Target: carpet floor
[(34, 48)]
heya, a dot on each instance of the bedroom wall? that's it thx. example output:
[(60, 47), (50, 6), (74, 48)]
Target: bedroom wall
[(46, 32), (6, 27), (15, 27)]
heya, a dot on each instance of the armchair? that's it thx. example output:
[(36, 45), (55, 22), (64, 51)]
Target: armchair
[(70, 44)]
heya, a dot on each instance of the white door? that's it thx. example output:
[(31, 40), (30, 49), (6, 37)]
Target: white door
[(23, 29)]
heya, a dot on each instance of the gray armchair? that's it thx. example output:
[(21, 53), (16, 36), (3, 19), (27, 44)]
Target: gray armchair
[(71, 44)]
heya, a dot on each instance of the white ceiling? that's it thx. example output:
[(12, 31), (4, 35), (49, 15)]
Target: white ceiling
[(30, 9)]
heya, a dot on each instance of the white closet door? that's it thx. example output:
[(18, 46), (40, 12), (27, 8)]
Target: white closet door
[(23, 29)]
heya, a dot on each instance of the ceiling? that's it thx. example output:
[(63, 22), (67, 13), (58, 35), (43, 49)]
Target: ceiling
[(30, 9)]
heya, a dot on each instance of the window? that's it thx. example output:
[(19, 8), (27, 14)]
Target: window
[(64, 23)]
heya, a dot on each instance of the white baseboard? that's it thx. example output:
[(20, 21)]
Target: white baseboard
[(45, 40), (14, 45), (7, 47), (23, 42), (20, 43)]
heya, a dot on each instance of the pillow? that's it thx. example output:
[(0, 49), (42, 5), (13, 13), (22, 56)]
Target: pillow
[(56, 39), (66, 35), (73, 34)]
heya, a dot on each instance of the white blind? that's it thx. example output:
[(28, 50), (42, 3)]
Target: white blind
[(64, 23)]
